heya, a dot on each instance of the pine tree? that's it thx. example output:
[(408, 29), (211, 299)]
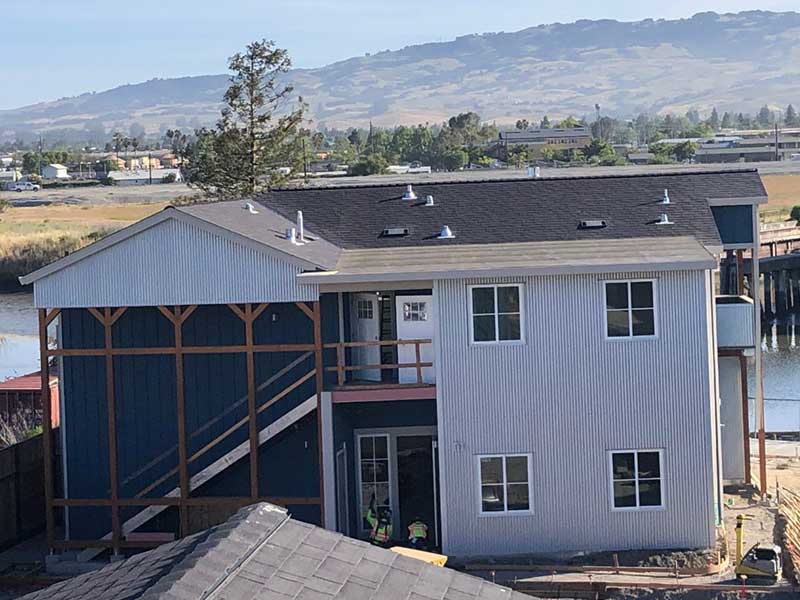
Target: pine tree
[(713, 120), (727, 121), (791, 117), (256, 138), (764, 116)]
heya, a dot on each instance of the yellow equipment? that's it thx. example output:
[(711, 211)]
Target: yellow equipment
[(438, 560), (762, 560)]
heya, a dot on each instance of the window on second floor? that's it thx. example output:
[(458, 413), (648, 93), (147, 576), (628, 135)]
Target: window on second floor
[(495, 313), (630, 309)]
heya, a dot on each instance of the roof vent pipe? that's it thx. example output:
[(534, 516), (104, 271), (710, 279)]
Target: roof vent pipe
[(251, 208), (291, 234), (446, 233), (534, 172), (300, 231), (666, 197), (409, 193), (664, 220), (429, 200)]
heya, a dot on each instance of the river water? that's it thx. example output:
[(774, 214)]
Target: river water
[(19, 354), (19, 339)]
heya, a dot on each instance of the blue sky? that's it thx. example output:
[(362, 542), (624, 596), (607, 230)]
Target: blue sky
[(56, 48)]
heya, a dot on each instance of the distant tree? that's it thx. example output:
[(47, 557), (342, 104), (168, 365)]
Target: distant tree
[(693, 116), (545, 123), (549, 154), (372, 164), (518, 156), (30, 163), (713, 120), (318, 140), (356, 139), (169, 178), (255, 141), (727, 121), (568, 123), (790, 118), (598, 149), (454, 159), (117, 141), (684, 151), (764, 116), (522, 124), (176, 140), (605, 128)]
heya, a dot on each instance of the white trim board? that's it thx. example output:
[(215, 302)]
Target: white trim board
[(211, 471)]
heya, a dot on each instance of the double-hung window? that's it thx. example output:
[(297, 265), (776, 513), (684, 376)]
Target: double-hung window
[(630, 309), (495, 313), (505, 482), (636, 479)]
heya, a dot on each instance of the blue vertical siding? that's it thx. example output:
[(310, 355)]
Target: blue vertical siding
[(216, 398)]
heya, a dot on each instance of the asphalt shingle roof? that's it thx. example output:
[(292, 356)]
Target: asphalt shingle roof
[(263, 554), (518, 210)]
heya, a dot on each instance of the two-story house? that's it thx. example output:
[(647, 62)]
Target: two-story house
[(528, 365)]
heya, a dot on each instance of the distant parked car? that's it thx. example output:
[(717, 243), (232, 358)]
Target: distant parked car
[(26, 186)]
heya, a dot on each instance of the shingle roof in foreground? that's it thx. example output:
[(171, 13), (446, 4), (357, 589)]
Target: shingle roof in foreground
[(263, 554), (518, 210)]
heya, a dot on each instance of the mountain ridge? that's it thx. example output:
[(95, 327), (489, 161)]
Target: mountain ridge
[(735, 61)]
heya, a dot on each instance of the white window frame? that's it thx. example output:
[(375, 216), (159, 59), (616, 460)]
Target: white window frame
[(497, 342), (368, 307), (661, 478), (359, 480), (505, 512), (630, 336)]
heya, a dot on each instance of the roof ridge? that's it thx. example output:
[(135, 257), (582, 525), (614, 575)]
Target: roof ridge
[(519, 179)]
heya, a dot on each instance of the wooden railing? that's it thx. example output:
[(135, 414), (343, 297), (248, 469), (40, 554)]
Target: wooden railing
[(342, 367)]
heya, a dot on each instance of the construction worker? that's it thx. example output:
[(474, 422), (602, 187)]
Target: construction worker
[(418, 534), (380, 523)]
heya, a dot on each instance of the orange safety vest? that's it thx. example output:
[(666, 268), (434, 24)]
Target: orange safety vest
[(417, 530)]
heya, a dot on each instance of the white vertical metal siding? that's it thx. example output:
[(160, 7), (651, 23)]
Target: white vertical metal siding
[(568, 396), (174, 263)]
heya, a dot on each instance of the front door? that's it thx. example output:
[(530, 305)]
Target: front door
[(414, 321), (365, 327), (416, 484)]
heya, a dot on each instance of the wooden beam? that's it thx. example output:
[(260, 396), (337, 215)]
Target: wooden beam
[(238, 312), (319, 369), (97, 315), (304, 307), (168, 351), (180, 408), (167, 313), (111, 411), (52, 315), (117, 314), (252, 415), (188, 312), (47, 428), (259, 309)]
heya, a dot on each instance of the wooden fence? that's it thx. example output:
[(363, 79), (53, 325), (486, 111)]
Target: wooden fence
[(22, 509)]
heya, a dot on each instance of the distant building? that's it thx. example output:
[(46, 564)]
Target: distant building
[(559, 138), (9, 175), (407, 169), (142, 176), (55, 171), (640, 158)]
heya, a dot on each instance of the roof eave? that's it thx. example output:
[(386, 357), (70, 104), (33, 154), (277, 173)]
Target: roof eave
[(337, 277)]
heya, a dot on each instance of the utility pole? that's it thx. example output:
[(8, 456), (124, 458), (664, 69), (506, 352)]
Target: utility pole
[(150, 166), (777, 151), (41, 149), (305, 161)]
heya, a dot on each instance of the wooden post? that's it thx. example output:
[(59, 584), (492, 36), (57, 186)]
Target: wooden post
[(251, 401), (739, 273), (745, 417), (111, 410), (340, 363), (419, 362), (47, 429), (320, 371), (177, 318)]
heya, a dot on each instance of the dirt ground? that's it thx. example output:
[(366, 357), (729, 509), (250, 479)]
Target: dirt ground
[(102, 194), (783, 190)]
